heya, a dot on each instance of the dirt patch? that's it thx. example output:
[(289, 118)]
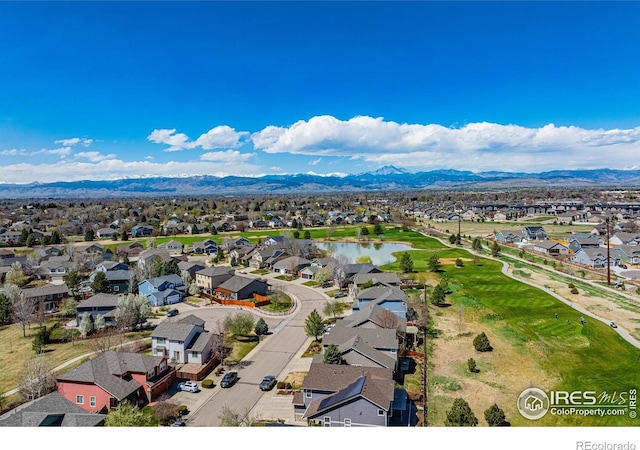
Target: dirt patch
[(453, 260), (295, 379)]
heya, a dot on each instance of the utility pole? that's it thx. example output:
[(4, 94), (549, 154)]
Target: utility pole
[(424, 363), (608, 257)]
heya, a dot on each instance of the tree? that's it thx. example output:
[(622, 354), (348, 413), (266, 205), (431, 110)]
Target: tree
[(124, 236), (16, 275), (55, 237), (377, 229), (307, 234), (460, 415), (37, 378), (363, 259), (89, 235), (406, 263), (476, 244), (231, 418), (261, 327), (364, 231), (437, 296), (471, 364), (459, 262), (481, 343), (332, 355), (323, 275), (21, 307), (165, 411), (495, 416), (125, 415), (313, 325), (170, 268), (333, 308), (388, 320), (495, 249), (72, 280), (100, 323), (240, 324), (433, 264), (31, 240), (40, 340), (86, 324), (5, 310), (132, 310), (100, 283)]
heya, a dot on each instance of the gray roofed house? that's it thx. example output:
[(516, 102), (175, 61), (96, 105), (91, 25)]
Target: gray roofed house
[(47, 297), (209, 278), (113, 377), (238, 288), (332, 393), (356, 352), (183, 341), (291, 265), (385, 278), (389, 297), (383, 339), (100, 304), (190, 267), (51, 410)]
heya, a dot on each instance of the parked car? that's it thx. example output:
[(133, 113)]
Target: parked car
[(339, 294), (268, 382), (179, 423), (172, 312), (229, 379), (188, 386), (613, 325)]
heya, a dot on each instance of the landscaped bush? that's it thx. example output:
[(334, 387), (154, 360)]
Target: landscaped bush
[(481, 343), (284, 385), (207, 384)]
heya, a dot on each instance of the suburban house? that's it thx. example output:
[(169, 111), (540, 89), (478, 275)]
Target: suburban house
[(626, 254), (387, 297), (142, 231), (578, 242), (550, 248), (535, 233), (343, 396), (291, 265), (46, 298), (112, 377), (165, 290), (107, 266), (511, 236), (240, 288), (51, 410), (100, 304), (145, 256), (376, 279), (208, 246), (130, 251), (369, 347), (349, 271), (190, 268), (592, 257), (55, 268), (623, 238), (229, 244), (172, 247), (266, 257), (373, 315), (209, 278), (183, 341), (107, 233), (120, 281), (242, 255)]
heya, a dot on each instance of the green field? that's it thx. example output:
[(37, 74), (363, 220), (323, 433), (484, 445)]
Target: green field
[(590, 357)]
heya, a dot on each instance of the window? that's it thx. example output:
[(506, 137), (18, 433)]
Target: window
[(92, 401), (381, 412), (160, 340), (151, 373), (163, 366), (80, 399), (347, 422), (307, 394), (327, 421), (116, 289)]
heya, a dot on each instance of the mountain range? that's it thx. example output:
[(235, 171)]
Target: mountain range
[(386, 178)]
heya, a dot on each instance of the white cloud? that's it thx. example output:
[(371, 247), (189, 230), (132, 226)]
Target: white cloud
[(330, 174), (315, 162), (228, 157), (475, 146), (61, 152), (74, 141), (218, 137), (13, 152), (94, 156)]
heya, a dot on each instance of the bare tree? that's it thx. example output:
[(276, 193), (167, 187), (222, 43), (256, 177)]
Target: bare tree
[(231, 418), (103, 341), (460, 311), (221, 340), (387, 319), (37, 378), (22, 308)]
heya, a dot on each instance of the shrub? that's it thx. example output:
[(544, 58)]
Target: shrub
[(574, 290), (183, 409), (471, 363), (207, 384), (218, 370), (481, 343)]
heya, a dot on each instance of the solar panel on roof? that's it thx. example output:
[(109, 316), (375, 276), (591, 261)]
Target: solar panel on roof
[(351, 390)]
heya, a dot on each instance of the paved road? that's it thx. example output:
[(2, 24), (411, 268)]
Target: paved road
[(270, 357)]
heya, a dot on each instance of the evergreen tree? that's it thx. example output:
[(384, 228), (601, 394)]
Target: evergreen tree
[(460, 415), (495, 416), (5, 310), (261, 327), (100, 283), (481, 343), (437, 296), (307, 234), (89, 235), (495, 249), (55, 237), (332, 355), (313, 325), (433, 264), (406, 263)]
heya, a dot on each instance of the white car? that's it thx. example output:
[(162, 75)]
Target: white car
[(188, 386)]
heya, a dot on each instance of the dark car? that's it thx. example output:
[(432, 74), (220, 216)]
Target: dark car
[(268, 382), (172, 312), (229, 379)]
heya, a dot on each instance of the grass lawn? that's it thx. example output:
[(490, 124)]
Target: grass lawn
[(17, 349), (241, 349)]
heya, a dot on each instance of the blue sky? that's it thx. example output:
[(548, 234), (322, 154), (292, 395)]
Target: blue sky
[(104, 90)]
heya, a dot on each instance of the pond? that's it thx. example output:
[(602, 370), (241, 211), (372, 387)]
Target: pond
[(379, 252)]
